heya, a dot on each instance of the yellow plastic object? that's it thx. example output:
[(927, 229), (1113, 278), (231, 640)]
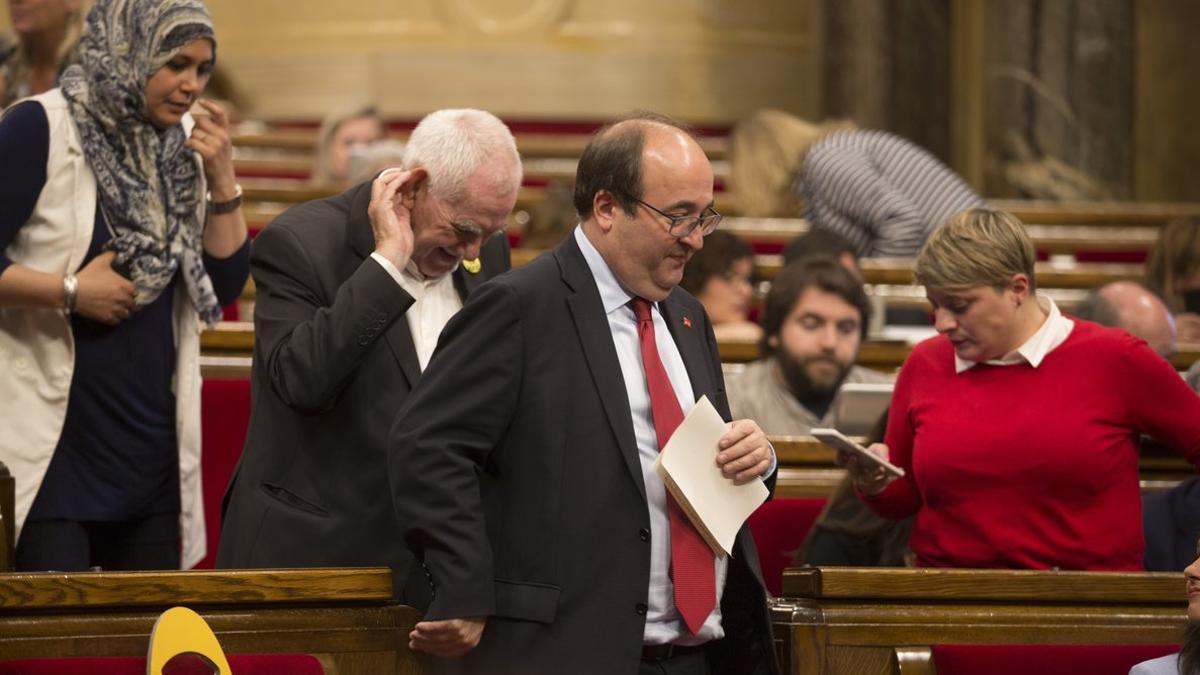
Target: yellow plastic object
[(179, 630)]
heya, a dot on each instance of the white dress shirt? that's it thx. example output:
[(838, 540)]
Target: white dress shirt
[(1054, 331), (663, 623), (436, 300)]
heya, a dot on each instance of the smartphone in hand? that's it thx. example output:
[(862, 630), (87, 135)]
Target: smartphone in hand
[(838, 441)]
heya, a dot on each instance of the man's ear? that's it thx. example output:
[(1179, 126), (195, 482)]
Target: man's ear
[(605, 209), (418, 180)]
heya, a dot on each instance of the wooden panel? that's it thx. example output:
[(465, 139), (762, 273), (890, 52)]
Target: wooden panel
[(1167, 147), (837, 621), (967, 39), (344, 617), (1000, 585), (46, 590)]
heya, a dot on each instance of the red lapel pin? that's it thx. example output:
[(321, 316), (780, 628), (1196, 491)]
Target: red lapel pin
[(687, 323)]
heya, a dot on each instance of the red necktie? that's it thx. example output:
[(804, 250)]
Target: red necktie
[(692, 566)]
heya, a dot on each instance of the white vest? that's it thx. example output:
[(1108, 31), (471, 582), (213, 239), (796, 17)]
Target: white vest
[(37, 350)]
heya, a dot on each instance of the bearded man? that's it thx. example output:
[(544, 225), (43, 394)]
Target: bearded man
[(814, 321)]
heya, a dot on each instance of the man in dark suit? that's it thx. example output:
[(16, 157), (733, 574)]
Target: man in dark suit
[(352, 292), (522, 469)]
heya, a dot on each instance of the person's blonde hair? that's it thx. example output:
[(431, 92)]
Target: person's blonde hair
[(323, 164), (19, 70), (766, 151), (1174, 258), (976, 247)]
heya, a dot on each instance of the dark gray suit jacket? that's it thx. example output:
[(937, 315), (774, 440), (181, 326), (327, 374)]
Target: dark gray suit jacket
[(333, 363), (517, 481)]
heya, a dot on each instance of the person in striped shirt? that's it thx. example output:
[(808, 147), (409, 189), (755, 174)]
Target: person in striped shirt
[(881, 192)]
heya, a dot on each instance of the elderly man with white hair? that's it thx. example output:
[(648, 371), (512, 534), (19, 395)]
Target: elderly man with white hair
[(352, 293)]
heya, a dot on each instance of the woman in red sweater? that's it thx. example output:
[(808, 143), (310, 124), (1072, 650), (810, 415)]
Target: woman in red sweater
[(1018, 427)]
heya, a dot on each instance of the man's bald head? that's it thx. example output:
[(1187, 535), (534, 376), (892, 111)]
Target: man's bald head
[(1132, 307)]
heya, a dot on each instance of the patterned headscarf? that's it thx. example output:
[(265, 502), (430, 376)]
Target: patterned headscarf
[(148, 180)]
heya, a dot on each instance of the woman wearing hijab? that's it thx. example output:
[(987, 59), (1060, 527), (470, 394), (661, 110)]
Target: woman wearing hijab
[(120, 232)]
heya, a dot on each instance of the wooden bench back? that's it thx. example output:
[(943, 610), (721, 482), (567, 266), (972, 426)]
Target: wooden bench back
[(344, 617), (854, 620)]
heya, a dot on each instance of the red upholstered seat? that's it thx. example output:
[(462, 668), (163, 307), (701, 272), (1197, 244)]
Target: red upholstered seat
[(241, 664), (779, 527), (1043, 659), (225, 415)]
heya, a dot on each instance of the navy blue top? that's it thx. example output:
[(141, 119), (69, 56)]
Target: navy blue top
[(117, 458)]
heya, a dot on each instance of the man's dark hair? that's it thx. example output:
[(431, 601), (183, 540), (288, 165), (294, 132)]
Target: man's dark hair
[(823, 273), (612, 161), (721, 250), (1097, 309), (818, 242)]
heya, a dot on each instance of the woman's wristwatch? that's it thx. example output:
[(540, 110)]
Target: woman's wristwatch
[(228, 206)]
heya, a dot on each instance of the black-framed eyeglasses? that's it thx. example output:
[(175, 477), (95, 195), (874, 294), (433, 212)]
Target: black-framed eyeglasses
[(682, 226)]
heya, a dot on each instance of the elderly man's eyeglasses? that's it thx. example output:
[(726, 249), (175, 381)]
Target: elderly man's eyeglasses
[(682, 226)]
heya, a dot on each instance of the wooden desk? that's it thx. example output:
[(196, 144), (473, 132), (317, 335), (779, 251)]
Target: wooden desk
[(536, 145), (1135, 214), (344, 617), (835, 621), (236, 338)]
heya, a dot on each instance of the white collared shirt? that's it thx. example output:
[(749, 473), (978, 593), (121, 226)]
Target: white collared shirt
[(663, 623), (1054, 331), (435, 301)]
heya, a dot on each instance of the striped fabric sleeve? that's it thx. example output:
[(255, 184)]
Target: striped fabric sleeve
[(847, 194), (881, 192)]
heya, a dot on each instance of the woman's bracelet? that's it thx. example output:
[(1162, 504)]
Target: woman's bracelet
[(71, 290), (227, 206)]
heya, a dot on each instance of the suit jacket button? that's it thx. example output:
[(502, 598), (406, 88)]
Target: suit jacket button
[(644, 534), (640, 609)]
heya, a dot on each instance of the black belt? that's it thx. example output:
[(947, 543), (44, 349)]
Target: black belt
[(668, 651)]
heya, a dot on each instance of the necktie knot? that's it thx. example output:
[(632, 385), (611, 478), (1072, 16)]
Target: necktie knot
[(641, 309)]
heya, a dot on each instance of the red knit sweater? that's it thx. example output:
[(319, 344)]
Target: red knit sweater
[(1022, 467)]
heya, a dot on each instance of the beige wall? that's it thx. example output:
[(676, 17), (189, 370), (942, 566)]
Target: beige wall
[(707, 61)]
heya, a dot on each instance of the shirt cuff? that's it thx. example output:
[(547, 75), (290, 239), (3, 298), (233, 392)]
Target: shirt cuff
[(774, 463), (389, 268)]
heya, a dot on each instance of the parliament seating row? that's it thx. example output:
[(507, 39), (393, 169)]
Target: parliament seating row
[(828, 621), (302, 143), (297, 146), (808, 474), (345, 618), (236, 338), (1119, 226), (835, 621)]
